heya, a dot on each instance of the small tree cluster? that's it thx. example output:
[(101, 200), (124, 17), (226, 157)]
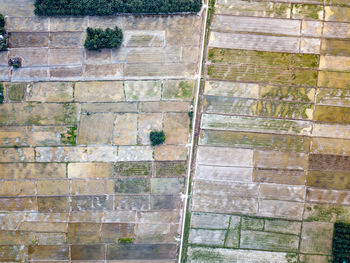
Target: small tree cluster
[(110, 7), (98, 38), (341, 243), (157, 137), (3, 38)]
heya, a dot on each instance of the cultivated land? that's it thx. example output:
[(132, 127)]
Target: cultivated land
[(271, 174), (79, 179)]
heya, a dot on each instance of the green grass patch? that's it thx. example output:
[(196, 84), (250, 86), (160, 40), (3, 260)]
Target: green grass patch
[(125, 240)]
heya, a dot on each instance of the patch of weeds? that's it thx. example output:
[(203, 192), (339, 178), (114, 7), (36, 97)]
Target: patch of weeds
[(69, 114), (211, 55), (187, 229), (34, 119), (280, 8), (157, 137), (186, 89), (292, 258), (211, 70), (15, 92), (327, 213), (207, 255), (1, 93), (29, 107), (70, 137), (35, 241), (125, 240)]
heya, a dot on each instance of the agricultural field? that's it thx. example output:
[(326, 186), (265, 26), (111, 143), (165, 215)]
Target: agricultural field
[(79, 178), (271, 173), (252, 98)]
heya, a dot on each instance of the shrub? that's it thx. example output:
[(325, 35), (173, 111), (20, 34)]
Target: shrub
[(15, 62), (110, 7), (97, 38), (157, 137)]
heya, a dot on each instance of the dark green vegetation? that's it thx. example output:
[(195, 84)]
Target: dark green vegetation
[(157, 137), (15, 62), (341, 243), (125, 240), (70, 137), (98, 38), (190, 114), (1, 93), (110, 7), (3, 38)]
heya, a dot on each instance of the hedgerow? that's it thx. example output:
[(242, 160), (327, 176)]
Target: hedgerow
[(111, 7), (98, 38)]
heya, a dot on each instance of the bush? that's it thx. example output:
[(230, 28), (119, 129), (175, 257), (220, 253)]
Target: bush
[(15, 62), (97, 38), (157, 137), (110, 7)]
